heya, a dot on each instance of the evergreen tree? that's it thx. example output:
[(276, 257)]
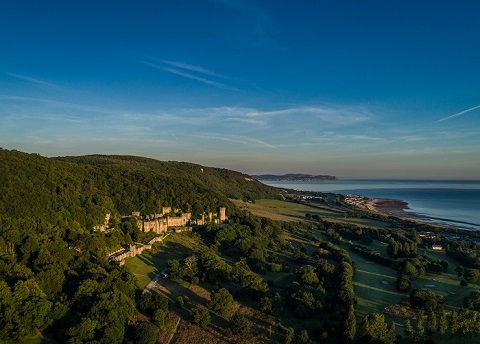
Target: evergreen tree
[(454, 325), (420, 321), (442, 323), (408, 331), (374, 329), (431, 323), (350, 325)]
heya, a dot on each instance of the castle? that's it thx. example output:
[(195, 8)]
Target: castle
[(159, 223)]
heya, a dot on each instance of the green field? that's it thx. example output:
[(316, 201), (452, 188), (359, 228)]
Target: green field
[(292, 211), (374, 286), (148, 264), (283, 210)]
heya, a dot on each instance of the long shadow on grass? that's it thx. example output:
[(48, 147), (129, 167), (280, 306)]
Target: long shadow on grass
[(171, 250)]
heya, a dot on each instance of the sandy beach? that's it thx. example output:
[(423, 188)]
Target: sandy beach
[(393, 207), (398, 208)]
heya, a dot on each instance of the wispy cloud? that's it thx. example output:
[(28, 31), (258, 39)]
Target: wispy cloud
[(194, 68), (459, 113), (239, 139), (185, 70), (337, 116), (30, 79)]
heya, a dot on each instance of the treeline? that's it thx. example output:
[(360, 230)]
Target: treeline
[(372, 255), (467, 253)]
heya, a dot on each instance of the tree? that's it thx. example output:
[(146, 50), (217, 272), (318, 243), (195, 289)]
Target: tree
[(442, 323), (23, 309), (220, 301), (426, 300), (146, 333), (420, 321), (303, 336), (150, 302), (403, 282), (306, 274), (471, 275), (350, 325), (239, 324), (408, 331), (472, 301), (374, 330), (289, 334), (431, 323), (453, 323), (159, 317), (459, 270), (201, 317), (175, 269), (180, 301)]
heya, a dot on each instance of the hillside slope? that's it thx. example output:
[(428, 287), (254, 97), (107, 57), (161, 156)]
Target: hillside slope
[(54, 275), (84, 188)]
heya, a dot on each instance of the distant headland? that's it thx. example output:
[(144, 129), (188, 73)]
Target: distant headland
[(294, 177)]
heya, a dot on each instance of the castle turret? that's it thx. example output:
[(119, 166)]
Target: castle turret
[(221, 214)]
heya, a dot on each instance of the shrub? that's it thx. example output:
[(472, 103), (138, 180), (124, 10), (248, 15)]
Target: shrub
[(239, 324), (201, 317), (220, 301)]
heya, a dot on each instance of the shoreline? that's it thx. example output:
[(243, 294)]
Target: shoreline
[(388, 206), (398, 208)]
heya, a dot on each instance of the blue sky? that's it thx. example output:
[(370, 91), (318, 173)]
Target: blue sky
[(355, 89)]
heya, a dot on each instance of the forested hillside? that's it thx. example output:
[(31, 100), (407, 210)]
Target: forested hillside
[(53, 264)]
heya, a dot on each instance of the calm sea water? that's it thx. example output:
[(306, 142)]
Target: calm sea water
[(445, 202)]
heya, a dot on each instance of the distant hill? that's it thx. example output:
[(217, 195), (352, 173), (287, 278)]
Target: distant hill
[(294, 177)]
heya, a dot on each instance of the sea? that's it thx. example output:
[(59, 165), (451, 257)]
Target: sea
[(445, 202)]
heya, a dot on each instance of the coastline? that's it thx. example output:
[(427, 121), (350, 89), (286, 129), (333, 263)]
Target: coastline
[(451, 204), (399, 208), (387, 206)]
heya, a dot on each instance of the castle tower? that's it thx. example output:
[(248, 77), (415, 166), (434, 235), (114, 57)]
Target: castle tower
[(221, 214), (132, 250)]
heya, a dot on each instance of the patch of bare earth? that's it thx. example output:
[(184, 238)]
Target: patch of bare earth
[(170, 328)]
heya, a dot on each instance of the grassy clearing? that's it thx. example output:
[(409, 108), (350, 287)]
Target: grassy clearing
[(148, 264)]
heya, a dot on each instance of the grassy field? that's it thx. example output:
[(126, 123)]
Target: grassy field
[(291, 211), (148, 264), (374, 286), (281, 210)]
